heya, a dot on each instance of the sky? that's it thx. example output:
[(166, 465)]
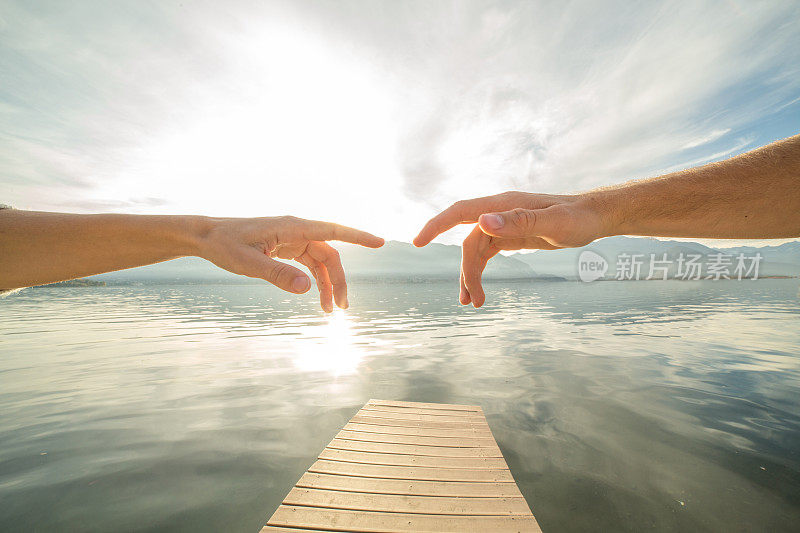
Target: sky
[(377, 114)]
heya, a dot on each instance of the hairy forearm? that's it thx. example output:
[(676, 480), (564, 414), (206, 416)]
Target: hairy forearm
[(38, 247), (753, 195)]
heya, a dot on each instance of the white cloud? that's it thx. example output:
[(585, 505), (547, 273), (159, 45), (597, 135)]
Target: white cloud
[(375, 114), (565, 101), (740, 145), (705, 139)]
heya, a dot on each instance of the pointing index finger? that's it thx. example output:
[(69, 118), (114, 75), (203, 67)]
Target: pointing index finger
[(461, 212), (328, 231)]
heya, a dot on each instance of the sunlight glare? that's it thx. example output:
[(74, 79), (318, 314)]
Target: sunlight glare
[(329, 347), (286, 114)]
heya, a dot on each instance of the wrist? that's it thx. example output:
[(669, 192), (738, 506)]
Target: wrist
[(191, 234), (604, 207)]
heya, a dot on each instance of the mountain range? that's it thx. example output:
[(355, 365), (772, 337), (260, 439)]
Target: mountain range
[(776, 261), (402, 261)]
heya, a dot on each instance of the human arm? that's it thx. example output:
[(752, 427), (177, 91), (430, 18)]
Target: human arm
[(752, 195), (40, 247)]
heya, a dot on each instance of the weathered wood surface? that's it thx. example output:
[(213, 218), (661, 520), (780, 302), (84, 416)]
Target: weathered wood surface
[(407, 466)]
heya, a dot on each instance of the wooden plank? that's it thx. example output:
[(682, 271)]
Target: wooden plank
[(403, 466), (379, 421), (484, 475), (412, 460), (427, 412), (377, 522), (411, 488), (423, 417), (277, 529), (412, 449), (421, 405), (413, 418), (450, 442), (422, 432), (395, 503)]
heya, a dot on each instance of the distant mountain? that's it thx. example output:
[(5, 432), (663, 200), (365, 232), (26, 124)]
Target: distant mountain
[(787, 253), (403, 261), (395, 260), (783, 260), (436, 261), (183, 270)]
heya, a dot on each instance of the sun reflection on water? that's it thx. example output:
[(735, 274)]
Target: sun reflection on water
[(329, 347)]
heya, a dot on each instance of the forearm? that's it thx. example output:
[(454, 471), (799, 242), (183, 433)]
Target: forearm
[(753, 195), (38, 248)]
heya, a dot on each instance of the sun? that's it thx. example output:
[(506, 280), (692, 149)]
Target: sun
[(287, 125), (329, 347)]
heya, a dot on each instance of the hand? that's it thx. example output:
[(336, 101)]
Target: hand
[(247, 245), (514, 221)]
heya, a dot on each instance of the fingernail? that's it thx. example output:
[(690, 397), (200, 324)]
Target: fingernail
[(493, 221), (301, 284)]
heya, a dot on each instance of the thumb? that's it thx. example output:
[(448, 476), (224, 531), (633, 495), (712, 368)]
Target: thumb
[(286, 277), (517, 223), (283, 276)]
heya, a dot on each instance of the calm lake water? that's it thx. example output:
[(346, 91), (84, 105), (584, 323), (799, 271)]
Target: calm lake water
[(669, 406)]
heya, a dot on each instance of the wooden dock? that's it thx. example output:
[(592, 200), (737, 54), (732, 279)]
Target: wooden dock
[(403, 466)]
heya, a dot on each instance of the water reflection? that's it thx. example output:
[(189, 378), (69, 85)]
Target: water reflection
[(619, 406), (329, 347)]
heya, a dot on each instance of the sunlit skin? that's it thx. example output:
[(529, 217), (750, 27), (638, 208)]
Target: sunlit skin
[(41, 247), (755, 195)]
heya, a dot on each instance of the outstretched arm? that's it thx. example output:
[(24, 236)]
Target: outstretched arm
[(40, 247), (752, 195), (755, 195)]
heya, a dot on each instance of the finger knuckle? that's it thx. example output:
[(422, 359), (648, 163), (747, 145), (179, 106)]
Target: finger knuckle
[(515, 196), (289, 219), (522, 217), (469, 245), (281, 271)]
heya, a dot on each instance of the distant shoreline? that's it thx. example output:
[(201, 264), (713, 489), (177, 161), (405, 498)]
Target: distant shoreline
[(81, 282), (88, 282)]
